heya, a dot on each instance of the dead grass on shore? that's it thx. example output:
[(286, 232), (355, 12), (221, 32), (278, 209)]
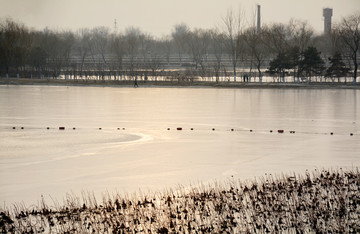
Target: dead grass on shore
[(320, 201)]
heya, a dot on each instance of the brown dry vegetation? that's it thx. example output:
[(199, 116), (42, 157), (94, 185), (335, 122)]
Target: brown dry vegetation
[(319, 201)]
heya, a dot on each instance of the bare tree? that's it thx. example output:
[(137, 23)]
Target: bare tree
[(350, 34), (277, 37), (300, 34), (15, 44), (100, 37), (258, 51), (81, 47), (146, 42), (155, 58), (233, 28), (118, 45), (51, 44), (98, 45), (37, 57), (166, 46), (198, 43), (180, 36), (59, 52), (132, 40), (217, 46), (67, 41)]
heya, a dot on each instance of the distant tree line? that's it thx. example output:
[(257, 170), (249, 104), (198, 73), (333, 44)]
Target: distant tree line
[(229, 52)]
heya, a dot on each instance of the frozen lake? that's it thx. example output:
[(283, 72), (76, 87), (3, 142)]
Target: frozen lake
[(135, 150)]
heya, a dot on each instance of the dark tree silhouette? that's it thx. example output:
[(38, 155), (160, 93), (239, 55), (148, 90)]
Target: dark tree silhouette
[(99, 53), (312, 63), (15, 44), (337, 68), (280, 64)]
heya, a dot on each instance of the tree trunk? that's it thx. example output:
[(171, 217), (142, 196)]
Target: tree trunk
[(355, 68), (234, 65), (259, 70)]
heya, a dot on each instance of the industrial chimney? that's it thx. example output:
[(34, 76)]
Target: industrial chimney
[(327, 13), (258, 18)]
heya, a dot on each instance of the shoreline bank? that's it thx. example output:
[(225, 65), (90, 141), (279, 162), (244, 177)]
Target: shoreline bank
[(175, 84)]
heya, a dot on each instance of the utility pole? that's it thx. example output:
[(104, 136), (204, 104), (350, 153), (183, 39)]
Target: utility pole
[(115, 26)]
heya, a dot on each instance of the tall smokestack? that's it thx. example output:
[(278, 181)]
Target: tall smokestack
[(327, 13), (258, 18)]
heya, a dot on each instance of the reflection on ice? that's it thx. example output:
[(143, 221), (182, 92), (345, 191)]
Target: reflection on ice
[(61, 146), (36, 161)]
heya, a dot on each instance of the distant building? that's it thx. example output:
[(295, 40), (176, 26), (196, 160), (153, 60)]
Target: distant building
[(327, 13)]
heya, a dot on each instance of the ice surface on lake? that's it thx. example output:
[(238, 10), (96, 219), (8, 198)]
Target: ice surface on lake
[(37, 161)]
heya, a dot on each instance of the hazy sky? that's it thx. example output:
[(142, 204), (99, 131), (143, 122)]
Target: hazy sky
[(158, 17)]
